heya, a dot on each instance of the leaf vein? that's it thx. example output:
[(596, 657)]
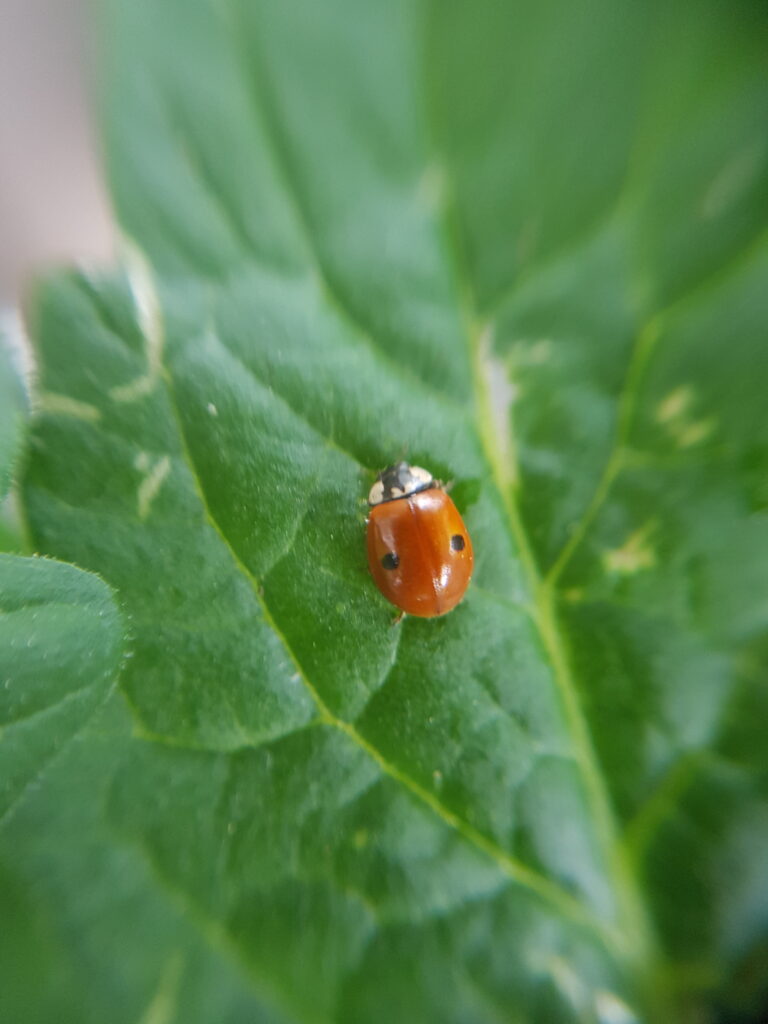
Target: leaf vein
[(53, 758), (646, 343)]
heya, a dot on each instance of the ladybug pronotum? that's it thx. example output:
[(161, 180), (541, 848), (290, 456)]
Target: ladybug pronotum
[(419, 551)]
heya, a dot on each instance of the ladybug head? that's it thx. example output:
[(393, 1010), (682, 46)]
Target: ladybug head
[(399, 481)]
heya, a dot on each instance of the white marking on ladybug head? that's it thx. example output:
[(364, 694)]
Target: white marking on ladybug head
[(376, 494), (421, 476), (399, 481)]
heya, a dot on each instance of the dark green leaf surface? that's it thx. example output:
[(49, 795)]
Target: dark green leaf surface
[(359, 232), (60, 647), (88, 933)]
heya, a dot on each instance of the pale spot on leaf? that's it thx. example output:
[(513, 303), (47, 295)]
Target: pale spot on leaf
[(635, 554), (674, 405), (433, 186), (149, 318), (694, 433), (163, 1007), (147, 305), (63, 405), (151, 484), (134, 390), (610, 1009), (673, 413), (567, 982), (501, 393)]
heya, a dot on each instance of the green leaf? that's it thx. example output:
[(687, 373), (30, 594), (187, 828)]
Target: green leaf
[(368, 231), (88, 932), (60, 647)]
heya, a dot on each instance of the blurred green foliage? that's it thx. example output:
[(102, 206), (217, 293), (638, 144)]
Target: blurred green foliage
[(523, 244)]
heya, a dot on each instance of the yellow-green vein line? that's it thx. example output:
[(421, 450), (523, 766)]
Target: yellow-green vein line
[(643, 349), (634, 927), (644, 344), (661, 803)]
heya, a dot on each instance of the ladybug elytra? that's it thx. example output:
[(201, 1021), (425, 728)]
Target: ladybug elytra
[(419, 552)]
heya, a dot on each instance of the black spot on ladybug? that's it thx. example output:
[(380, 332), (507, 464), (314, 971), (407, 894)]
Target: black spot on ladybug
[(390, 560), (457, 542)]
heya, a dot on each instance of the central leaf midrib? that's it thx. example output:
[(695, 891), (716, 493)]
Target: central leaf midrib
[(635, 928), (637, 936)]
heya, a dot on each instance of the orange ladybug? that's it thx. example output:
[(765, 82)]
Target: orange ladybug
[(419, 551)]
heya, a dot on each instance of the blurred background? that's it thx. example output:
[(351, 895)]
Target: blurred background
[(53, 202)]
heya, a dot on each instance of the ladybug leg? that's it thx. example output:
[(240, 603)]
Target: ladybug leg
[(398, 619)]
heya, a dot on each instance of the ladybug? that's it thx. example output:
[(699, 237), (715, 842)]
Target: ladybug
[(419, 551)]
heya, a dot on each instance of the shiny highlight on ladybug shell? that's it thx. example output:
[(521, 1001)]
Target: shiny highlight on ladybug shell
[(419, 551)]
